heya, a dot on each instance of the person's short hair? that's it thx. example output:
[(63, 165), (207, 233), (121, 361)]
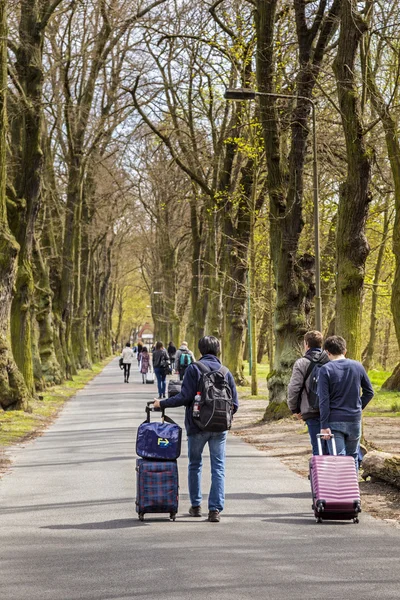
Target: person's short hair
[(313, 339), (209, 345), (184, 344), (335, 345), (159, 345), (128, 345), (144, 349)]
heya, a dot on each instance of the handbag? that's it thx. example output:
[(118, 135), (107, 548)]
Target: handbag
[(150, 377), (165, 366), (121, 363)]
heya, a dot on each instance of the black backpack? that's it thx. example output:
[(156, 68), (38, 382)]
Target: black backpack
[(313, 372), (216, 405)]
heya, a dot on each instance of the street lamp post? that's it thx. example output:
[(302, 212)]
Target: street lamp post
[(243, 94)]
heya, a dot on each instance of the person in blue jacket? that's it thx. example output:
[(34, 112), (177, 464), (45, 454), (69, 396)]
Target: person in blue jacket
[(210, 348), (340, 402)]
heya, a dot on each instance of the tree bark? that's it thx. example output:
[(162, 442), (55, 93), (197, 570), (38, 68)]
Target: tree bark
[(354, 198), (13, 391), (27, 177)]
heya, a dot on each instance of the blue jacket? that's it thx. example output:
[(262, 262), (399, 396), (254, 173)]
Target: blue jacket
[(190, 386), (339, 385)]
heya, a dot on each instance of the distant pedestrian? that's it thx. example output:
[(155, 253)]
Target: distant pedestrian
[(171, 353), (184, 358), (300, 390), (139, 351), (215, 421), (161, 367), (127, 359), (341, 405), (144, 364)]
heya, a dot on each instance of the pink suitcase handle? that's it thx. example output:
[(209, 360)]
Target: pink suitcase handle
[(319, 436)]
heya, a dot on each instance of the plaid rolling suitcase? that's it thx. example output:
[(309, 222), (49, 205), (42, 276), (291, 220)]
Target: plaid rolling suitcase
[(334, 486), (157, 487)]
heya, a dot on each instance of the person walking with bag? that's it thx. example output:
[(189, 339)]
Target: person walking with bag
[(127, 356), (341, 405), (144, 363), (210, 397), (171, 353), (161, 367), (184, 358), (302, 399)]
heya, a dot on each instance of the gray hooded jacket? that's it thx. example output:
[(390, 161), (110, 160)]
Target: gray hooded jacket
[(296, 383)]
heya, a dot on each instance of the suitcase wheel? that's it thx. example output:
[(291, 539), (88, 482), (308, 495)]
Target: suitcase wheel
[(172, 516), (141, 516), (356, 520), (318, 520)]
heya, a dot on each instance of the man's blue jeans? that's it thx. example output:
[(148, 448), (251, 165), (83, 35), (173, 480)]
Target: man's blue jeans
[(347, 437), (314, 427), (217, 445), (161, 384)]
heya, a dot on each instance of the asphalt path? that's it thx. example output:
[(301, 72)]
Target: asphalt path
[(69, 530)]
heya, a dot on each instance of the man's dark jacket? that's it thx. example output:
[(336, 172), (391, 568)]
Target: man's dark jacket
[(190, 387)]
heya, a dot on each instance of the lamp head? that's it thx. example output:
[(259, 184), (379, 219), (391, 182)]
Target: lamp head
[(239, 94)]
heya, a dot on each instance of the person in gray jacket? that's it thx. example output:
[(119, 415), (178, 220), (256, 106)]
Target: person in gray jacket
[(300, 385), (184, 357)]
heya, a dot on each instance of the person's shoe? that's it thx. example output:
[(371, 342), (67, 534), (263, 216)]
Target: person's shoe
[(160, 397), (163, 395), (195, 511), (213, 516), (124, 380)]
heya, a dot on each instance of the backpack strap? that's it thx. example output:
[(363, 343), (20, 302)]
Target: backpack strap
[(204, 369)]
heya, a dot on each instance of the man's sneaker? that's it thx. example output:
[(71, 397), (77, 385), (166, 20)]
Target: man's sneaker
[(195, 511), (213, 516)]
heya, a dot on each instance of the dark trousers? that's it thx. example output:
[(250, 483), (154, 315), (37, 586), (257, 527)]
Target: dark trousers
[(127, 370)]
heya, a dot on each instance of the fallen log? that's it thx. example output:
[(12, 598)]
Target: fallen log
[(383, 466)]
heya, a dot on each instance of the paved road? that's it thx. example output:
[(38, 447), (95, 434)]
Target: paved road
[(69, 529)]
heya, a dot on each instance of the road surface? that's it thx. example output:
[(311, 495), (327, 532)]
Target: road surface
[(69, 530)]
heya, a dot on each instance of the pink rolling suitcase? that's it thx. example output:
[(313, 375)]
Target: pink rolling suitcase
[(334, 486)]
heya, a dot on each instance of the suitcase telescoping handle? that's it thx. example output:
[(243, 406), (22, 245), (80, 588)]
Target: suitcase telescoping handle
[(319, 436), (150, 408)]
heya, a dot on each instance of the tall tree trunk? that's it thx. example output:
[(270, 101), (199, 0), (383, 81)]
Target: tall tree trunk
[(293, 273), (234, 264), (385, 347), (13, 391), (393, 148), (354, 198), (28, 174), (50, 367), (368, 353)]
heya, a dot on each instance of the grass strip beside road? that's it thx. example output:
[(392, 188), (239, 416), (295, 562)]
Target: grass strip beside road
[(18, 426)]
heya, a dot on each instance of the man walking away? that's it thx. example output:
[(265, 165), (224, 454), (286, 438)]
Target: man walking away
[(127, 360), (171, 353), (207, 368), (339, 384), (302, 399), (184, 358)]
